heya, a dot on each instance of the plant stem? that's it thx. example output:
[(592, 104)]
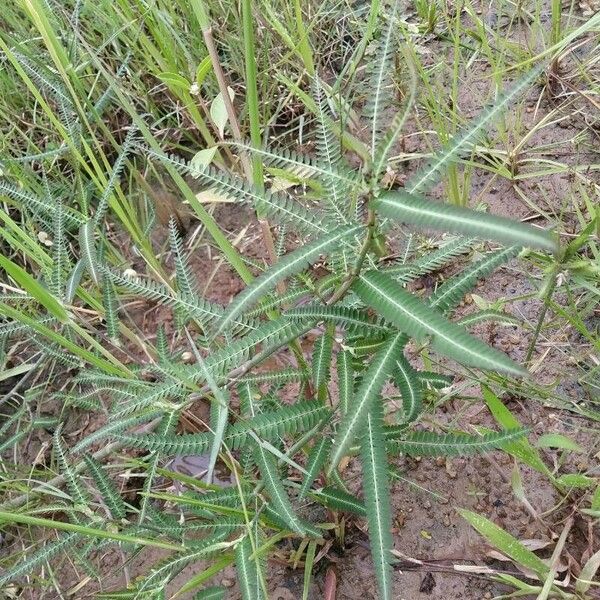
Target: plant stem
[(345, 286), (550, 287), (252, 92), (251, 175)]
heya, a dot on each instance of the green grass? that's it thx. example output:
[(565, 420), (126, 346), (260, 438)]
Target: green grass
[(94, 97)]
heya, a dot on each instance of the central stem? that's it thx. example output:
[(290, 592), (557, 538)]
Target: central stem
[(352, 275)]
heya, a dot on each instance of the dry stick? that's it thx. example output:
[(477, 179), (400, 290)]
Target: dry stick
[(237, 134), (265, 226), (224, 89)]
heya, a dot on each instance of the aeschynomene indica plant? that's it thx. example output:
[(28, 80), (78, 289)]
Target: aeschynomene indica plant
[(283, 456)]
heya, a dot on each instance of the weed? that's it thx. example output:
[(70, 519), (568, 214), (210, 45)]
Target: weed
[(276, 444)]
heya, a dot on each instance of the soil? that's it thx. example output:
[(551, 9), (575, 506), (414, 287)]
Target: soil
[(430, 537)]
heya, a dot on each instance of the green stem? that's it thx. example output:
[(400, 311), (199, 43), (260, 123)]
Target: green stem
[(550, 287), (345, 286), (8, 517), (252, 92)]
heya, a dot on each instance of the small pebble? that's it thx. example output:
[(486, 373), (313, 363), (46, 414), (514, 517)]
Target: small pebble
[(451, 469)]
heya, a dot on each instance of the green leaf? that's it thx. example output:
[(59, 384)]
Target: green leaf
[(203, 158), (345, 372), (376, 375), (8, 517), (288, 420), (377, 498), (381, 84), (405, 272), (35, 289), (281, 376), (520, 449), (215, 592), (74, 483), (74, 280), (337, 499), (38, 204), (576, 480), (60, 256), (279, 499), (408, 383), (489, 314), (166, 570), (41, 556), (506, 543), (112, 182), (425, 443), (301, 166), (586, 576), (174, 81), (273, 519), (15, 438), (87, 246), (218, 112), (186, 283), (451, 292), (408, 313), (435, 380), (427, 176), (110, 366), (190, 305), (351, 319), (219, 416), (309, 562), (329, 153), (113, 427), (279, 206), (217, 565), (556, 440), (108, 490), (316, 459), (428, 214), (109, 302), (321, 363), (247, 570), (292, 263)]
